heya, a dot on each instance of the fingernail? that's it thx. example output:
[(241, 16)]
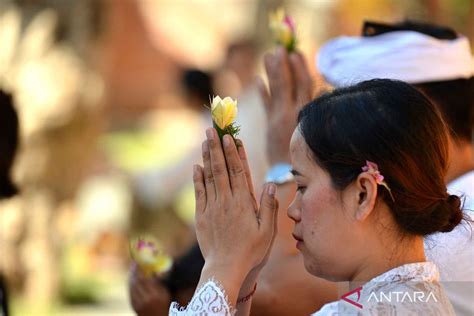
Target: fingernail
[(209, 133), (271, 189), (226, 140)]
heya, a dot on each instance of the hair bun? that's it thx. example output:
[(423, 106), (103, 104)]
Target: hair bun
[(452, 205), (443, 216)]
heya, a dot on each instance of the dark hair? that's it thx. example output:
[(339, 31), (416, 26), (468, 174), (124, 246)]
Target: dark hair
[(8, 143), (455, 98), (392, 124), (371, 28), (198, 84)]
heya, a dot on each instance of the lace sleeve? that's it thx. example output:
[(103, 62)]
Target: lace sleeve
[(210, 299)]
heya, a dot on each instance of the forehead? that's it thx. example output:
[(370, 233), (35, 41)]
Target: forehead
[(296, 141), (300, 153)]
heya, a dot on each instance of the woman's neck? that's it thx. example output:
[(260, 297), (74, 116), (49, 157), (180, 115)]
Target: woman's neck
[(409, 250)]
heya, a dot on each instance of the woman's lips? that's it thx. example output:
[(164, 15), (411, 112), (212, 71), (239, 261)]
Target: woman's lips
[(299, 241), (297, 238)]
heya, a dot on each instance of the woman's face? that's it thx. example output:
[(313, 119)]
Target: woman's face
[(324, 228)]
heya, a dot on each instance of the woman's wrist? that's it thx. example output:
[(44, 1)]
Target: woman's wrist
[(249, 282), (229, 276), (248, 297)]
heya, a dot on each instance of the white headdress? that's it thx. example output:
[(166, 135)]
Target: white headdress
[(404, 55)]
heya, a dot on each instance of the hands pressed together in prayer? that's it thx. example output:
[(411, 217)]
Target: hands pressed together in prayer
[(235, 232)]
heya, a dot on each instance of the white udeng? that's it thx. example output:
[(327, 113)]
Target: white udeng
[(404, 55)]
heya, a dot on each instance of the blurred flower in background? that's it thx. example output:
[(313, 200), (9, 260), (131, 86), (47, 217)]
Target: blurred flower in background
[(283, 28), (150, 256)]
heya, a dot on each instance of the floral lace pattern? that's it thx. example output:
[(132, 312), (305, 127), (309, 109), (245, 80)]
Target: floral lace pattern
[(411, 289), (209, 300)]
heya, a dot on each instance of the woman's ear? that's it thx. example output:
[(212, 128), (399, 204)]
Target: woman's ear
[(365, 188)]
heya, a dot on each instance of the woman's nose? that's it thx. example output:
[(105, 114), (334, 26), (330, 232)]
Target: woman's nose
[(293, 211)]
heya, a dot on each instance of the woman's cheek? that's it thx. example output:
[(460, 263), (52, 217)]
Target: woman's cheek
[(309, 206), (318, 206)]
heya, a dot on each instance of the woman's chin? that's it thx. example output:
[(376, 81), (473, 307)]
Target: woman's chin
[(312, 267), (318, 270)]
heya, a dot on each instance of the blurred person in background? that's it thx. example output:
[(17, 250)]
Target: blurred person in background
[(438, 62), (8, 147)]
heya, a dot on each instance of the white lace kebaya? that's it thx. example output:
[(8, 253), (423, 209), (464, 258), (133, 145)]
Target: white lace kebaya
[(411, 289), (210, 300)]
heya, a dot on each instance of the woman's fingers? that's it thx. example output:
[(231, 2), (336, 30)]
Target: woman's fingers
[(303, 81), (218, 165), (207, 173), (268, 208), (279, 76), (237, 176), (199, 189), (262, 88), (221, 170), (245, 163)]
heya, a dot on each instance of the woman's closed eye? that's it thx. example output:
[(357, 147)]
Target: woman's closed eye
[(300, 188)]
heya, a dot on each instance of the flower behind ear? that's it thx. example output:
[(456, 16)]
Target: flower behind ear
[(373, 169)]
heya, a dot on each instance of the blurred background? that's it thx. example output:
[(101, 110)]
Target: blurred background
[(110, 96)]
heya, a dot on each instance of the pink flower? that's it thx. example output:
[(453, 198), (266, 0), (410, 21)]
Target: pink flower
[(283, 28), (373, 169), (288, 20)]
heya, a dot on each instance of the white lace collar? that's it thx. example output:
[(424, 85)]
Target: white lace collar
[(410, 289), (416, 272)]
